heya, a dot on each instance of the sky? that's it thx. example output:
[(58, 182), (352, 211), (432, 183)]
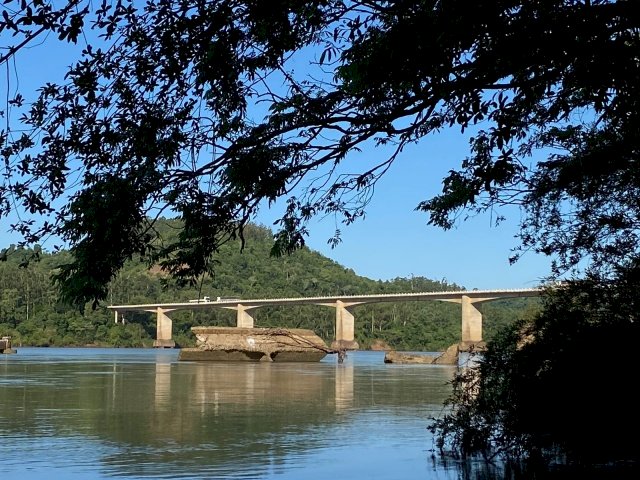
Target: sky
[(393, 240)]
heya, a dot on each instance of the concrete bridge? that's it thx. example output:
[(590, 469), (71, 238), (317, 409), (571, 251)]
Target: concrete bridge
[(345, 321)]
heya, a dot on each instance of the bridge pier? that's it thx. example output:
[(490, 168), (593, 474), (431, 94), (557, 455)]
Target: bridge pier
[(243, 318), (345, 328), (471, 321), (164, 327)]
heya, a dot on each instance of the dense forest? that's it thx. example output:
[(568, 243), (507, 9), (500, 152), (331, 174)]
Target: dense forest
[(32, 313)]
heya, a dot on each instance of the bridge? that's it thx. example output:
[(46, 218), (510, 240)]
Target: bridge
[(345, 320)]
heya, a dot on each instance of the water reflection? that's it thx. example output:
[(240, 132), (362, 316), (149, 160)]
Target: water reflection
[(344, 386), (142, 414), (163, 385)]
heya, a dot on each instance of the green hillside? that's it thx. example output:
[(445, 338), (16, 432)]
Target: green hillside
[(31, 312)]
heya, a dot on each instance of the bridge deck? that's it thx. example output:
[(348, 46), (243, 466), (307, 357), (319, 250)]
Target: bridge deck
[(450, 296)]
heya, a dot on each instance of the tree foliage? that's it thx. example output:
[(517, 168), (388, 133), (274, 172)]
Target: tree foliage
[(210, 110), (556, 388), (202, 109)]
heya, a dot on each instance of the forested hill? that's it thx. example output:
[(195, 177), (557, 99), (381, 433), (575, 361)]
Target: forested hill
[(31, 312)]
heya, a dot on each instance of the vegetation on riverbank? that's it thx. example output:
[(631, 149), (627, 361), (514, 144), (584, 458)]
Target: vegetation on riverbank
[(33, 314), (556, 390)]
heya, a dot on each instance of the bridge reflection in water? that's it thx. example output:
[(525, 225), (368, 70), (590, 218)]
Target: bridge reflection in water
[(254, 384), (88, 413)]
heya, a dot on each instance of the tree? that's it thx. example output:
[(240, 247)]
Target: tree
[(556, 387), (196, 108)]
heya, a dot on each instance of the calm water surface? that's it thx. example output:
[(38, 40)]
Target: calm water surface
[(129, 413)]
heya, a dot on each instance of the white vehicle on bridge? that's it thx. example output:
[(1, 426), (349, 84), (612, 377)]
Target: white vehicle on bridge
[(201, 300)]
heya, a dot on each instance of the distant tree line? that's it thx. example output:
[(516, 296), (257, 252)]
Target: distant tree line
[(33, 314)]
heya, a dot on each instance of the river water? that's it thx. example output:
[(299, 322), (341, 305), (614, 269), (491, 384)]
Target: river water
[(140, 413)]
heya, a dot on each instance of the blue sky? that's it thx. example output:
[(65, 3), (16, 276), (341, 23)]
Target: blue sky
[(393, 240)]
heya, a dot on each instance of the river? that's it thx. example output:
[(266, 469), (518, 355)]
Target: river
[(140, 413)]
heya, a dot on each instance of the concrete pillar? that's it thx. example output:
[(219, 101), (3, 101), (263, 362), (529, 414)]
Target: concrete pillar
[(243, 319), (164, 326), (345, 328), (471, 322)]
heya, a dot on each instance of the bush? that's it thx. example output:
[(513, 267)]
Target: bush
[(559, 386)]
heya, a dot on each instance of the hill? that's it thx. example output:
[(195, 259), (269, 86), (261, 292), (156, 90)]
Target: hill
[(32, 313)]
